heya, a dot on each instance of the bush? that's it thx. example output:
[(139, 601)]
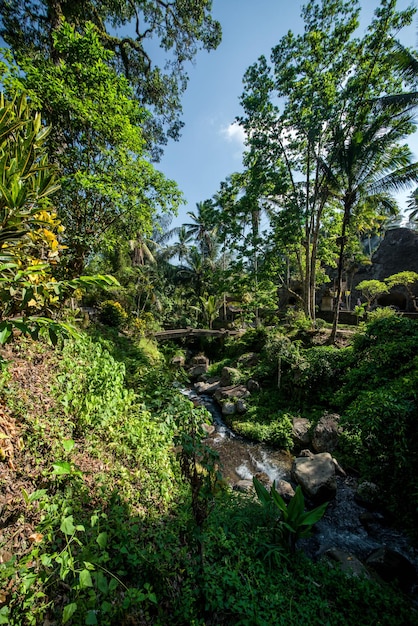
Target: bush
[(378, 401), (113, 314)]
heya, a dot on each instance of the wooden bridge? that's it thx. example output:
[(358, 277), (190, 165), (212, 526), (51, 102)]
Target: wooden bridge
[(179, 333)]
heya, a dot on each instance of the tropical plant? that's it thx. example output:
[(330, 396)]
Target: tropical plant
[(109, 187), (293, 522), (312, 122)]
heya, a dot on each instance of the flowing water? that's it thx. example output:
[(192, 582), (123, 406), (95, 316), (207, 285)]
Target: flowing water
[(341, 527), (241, 459)]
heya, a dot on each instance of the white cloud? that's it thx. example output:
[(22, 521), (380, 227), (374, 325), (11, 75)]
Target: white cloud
[(234, 133)]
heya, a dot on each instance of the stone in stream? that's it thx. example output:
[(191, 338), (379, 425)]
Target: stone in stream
[(208, 387), (316, 476), (348, 563), (390, 565), (199, 366), (229, 408), (231, 393)]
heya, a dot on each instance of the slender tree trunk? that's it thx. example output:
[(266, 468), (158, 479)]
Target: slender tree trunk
[(342, 242)]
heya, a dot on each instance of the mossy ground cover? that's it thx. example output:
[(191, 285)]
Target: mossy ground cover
[(99, 526)]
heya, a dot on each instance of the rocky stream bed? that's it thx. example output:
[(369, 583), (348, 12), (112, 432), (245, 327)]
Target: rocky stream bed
[(355, 532)]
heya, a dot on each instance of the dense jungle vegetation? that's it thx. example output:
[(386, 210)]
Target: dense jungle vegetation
[(113, 508)]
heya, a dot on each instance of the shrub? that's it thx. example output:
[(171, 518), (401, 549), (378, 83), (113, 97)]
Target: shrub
[(113, 314)]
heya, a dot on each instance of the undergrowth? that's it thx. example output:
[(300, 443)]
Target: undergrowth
[(117, 514)]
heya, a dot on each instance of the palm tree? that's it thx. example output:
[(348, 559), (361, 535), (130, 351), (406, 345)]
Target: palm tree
[(202, 228), (181, 248), (370, 164)]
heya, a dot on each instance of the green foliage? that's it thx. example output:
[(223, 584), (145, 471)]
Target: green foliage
[(293, 522), (274, 430), (371, 290), (113, 314), (253, 340), (108, 185), (317, 375), (379, 404), (177, 31), (264, 420)]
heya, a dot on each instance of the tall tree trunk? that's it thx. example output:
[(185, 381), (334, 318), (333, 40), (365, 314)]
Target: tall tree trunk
[(342, 242), (56, 19)]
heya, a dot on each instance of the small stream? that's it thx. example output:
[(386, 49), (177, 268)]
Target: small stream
[(346, 525), (242, 459)]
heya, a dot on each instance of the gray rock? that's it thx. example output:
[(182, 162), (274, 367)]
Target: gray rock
[(208, 428), (208, 388), (227, 393), (244, 485), (229, 408), (300, 432), (391, 565), (285, 489), (368, 494), (316, 476), (348, 563), (230, 376), (197, 371), (326, 433), (250, 359), (241, 406), (178, 361), (200, 359), (253, 385)]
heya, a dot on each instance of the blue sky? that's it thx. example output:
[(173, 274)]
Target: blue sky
[(211, 146)]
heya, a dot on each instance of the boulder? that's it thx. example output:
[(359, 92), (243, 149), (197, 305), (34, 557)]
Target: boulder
[(253, 385), (227, 393), (197, 371), (208, 388), (230, 376), (285, 489), (244, 486), (178, 361), (200, 359), (316, 476), (326, 433), (250, 359), (390, 565), (348, 563), (229, 408), (199, 365), (300, 432), (368, 495), (241, 406), (208, 428)]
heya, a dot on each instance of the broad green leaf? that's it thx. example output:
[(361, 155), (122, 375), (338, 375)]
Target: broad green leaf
[(85, 579), (68, 612), (261, 491), (278, 500), (61, 468), (67, 525), (5, 332), (68, 444), (102, 539), (296, 506), (311, 517), (4, 615), (91, 617)]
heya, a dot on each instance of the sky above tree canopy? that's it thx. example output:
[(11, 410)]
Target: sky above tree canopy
[(211, 145)]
